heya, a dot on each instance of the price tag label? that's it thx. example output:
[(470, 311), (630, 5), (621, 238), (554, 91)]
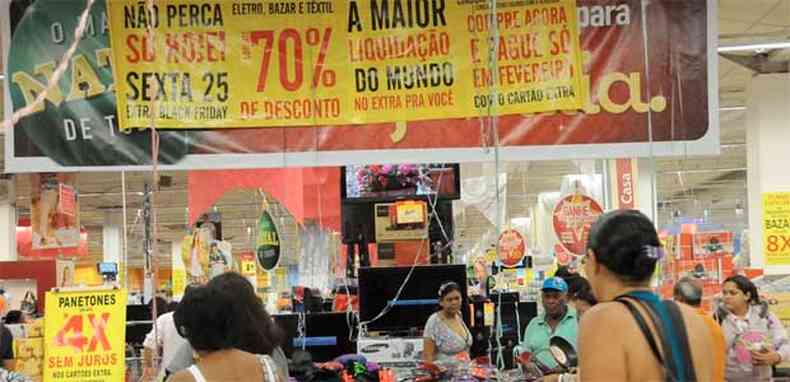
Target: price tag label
[(248, 267)]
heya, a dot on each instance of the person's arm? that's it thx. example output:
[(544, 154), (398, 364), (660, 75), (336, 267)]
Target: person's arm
[(428, 350), (781, 344), (523, 345), (150, 344), (601, 357), (429, 340)]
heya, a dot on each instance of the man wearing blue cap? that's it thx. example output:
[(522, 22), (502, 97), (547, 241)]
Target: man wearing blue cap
[(558, 320)]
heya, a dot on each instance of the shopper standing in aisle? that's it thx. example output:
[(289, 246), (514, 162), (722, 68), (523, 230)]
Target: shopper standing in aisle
[(631, 335), (226, 324), (446, 335), (167, 339), (558, 320), (755, 339), (582, 299), (689, 291)]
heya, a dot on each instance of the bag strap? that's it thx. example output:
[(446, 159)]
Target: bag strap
[(268, 368), (640, 321), (661, 326), (682, 334)]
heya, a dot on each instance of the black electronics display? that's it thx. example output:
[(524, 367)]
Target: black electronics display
[(138, 312), (138, 318), (391, 182), (485, 342), (419, 299), (326, 337)]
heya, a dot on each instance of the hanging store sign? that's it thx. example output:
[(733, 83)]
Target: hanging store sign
[(84, 334), (221, 64), (776, 228), (54, 212), (77, 129), (624, 178), (268, 243), (511, 248), (573, 216)]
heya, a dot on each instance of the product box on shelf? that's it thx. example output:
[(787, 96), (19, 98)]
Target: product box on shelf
[(389, 350), (29, 349)]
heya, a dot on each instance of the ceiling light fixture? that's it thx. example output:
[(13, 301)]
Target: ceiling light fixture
[(757, 46)]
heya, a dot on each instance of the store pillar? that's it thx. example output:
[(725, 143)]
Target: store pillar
[(767, 142), (8, 232), (8, 221)]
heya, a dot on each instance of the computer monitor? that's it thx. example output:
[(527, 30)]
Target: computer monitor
[(327, 335), (107, 268), (419, 299)]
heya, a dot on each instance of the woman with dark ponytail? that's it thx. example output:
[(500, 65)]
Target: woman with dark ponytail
[(631, 335)]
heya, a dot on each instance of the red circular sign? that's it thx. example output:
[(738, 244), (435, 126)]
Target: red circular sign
[(511, 248), (573, 216)]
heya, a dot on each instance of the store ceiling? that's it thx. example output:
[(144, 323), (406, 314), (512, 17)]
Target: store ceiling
[(688, 185)]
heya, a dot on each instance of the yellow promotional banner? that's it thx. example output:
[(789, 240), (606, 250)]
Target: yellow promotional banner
[(178, 276), (85, 336), (776, 228), (220, 63)]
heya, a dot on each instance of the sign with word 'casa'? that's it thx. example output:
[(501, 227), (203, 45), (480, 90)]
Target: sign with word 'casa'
[(85, 336), (218, 64), (776, 228)]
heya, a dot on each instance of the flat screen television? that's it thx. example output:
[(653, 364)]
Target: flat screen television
[(326, 334), (389, 182), (419, 299)]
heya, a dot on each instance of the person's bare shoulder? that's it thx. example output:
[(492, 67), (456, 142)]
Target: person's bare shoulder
[(605, 313), (181, 376)]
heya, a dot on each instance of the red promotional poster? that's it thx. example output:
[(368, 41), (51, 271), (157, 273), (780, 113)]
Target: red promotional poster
[(54, 213), (511, 248), (573, 216), (68, 200), (562, 255)]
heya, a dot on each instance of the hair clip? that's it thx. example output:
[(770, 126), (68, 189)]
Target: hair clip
[(653, 252)]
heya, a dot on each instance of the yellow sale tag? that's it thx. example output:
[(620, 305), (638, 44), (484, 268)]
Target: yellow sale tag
[(248, 267), (488, 314)]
